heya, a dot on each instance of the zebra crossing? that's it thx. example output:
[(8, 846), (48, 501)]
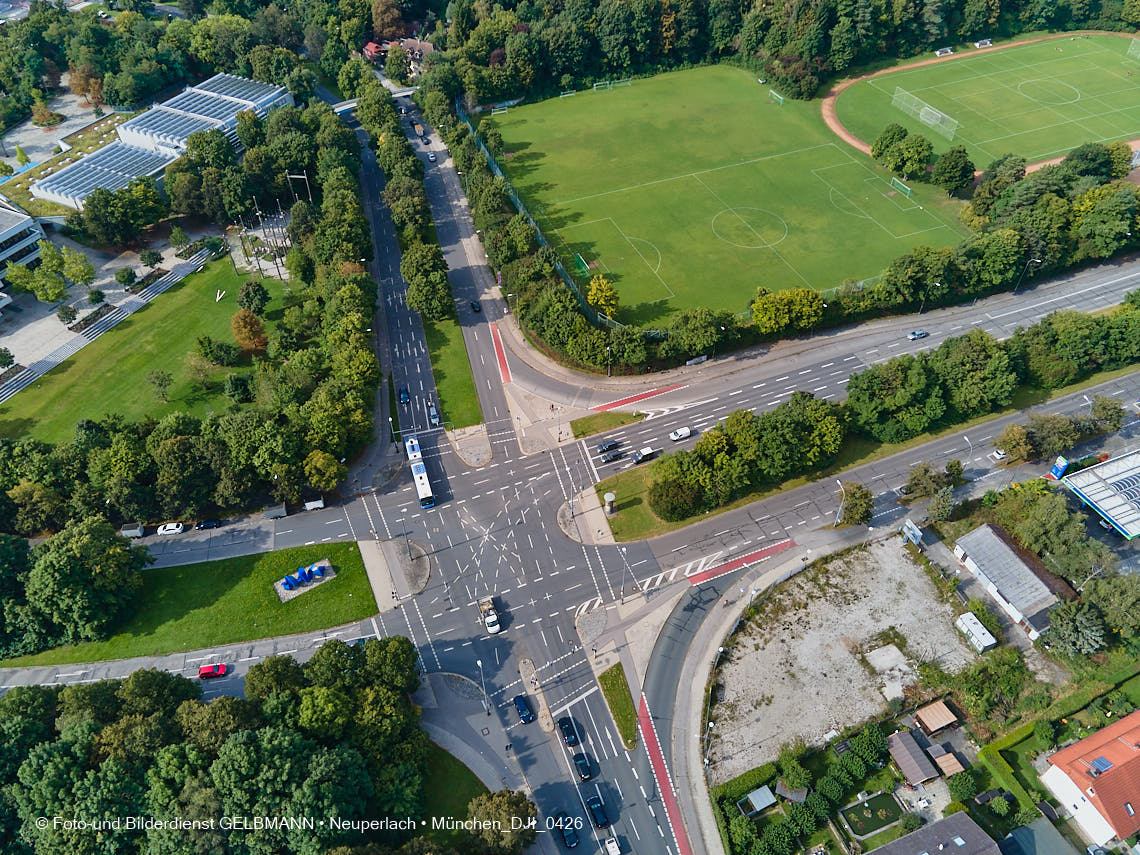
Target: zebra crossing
[(125, 309)]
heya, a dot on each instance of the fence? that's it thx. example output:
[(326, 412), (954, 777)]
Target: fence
[(595, 317)]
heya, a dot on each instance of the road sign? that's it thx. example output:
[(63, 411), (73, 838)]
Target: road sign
[(1059, 468), (912, 532)]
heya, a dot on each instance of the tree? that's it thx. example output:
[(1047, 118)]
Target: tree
[(955, 473), (509, 815), (66, 313), (160, 381), (953, 171), (603, 296), (1045, 732), (150, 258), (891, 135), (7, 360), (277, 674), (323, 471), (858, 504), (1118, 598), (387, 22), (248, 330), (1091, 159), (125, 276), (793, 309), (792, 772), (178, 238), (1016, 442), (253, 296), (46, 282), (396, 65), (1052, 433), (924, 480), (999, 805), (1108, 413), (942, 504), (962, 786), (674, 499), (76, 267), (1076, 628)]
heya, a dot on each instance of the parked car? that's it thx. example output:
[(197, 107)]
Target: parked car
[(998, 455), (681, 433), (597, 811), (612, 846), (915, 335), (404, 396), (611, 456), (431, 156), (522, 707), (569, 735), (565, 826), (641, 454), (171, 528), (133, 530), (433, 415), (607, 445), (582, 767), (475, 307), (205, 524), (207, 672)]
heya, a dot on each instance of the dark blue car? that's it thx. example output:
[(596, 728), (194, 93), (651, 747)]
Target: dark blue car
[(522, 707)]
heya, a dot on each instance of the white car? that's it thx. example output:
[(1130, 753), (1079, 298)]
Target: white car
[(998, 455), (681, 433), (170, 528), (431, 156)]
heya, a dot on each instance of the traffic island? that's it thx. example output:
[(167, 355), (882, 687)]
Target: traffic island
[(529, 676), (397, 569), (472, 445)]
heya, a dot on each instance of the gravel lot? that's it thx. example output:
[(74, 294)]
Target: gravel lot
[(799, 671)]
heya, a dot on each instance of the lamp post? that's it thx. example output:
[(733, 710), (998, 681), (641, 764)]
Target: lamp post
[(624, 570), (708, 743), (609, 361), (842, 502), (924, 295), (1089, 402), (970, 445), (1025, 268), (483, 683)]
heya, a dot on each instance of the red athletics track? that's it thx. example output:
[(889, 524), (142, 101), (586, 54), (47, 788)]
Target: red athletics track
[(742, 561), (661, 774), (500, 354), (633, 399)]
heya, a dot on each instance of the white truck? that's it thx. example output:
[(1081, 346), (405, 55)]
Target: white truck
[(641, 455), (490, 616)]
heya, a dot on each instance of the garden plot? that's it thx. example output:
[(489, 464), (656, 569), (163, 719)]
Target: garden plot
[(801, 670)]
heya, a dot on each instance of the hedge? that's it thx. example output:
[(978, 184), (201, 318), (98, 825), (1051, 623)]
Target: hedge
[(1001, 770), (725, 796)]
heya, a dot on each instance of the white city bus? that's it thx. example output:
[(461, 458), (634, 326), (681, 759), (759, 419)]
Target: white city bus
[(423, 486)]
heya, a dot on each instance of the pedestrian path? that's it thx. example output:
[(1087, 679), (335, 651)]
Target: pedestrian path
[(79, 340)]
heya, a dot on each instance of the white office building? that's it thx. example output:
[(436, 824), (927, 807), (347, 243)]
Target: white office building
[(19, 241)]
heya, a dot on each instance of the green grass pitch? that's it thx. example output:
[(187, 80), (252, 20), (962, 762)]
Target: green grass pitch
[(692, 188), (1037, 100)]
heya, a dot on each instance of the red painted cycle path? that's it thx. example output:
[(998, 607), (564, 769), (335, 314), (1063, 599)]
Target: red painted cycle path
[(661, 774), (742, 561), (500, 354), (633, 399)]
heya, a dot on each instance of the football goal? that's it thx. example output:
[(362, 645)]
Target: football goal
[(775, 97), (625, 81), (934, 119), (1134, 49), (902, 188), (603, 84), (498, 111), (583, 267)]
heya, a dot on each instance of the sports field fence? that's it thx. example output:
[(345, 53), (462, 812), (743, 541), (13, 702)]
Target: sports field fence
[(933, 118), (592, 314)]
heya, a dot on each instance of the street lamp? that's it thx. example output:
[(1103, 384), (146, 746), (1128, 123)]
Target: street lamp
[(1089, 402), (924, 295), (842, 502), (1025, 268), (609, 361), (391, 430), (970, 444), (708, 742), (483, 683)]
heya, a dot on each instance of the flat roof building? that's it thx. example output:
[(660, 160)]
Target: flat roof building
[(935, 717), (1037, 838), (1112, 490), (910, 758), (956, 834), (152, 140), (20, 235), (980, 638), (1009, 580)]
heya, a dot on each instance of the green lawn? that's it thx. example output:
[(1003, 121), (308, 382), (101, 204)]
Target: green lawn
[(598, 422), (448, 788), (1037, 100), (616, 691), (221, 602), (458, 402), (691, 188), (109, 374)]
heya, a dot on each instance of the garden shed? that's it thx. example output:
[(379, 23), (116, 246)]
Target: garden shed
[(756, 801), (911, 760)]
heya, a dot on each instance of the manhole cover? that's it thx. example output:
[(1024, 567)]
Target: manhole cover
[(486, 731)]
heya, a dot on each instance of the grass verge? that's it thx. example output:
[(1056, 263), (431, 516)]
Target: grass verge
[(620, 701), (634, 520), (598, 422), (449, 786), (109, 374), (458, 401), (221, 602)]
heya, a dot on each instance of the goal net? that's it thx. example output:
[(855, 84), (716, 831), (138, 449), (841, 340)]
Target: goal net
[(934, 119), (603, 84), (902, 188), (498, 111), (1134, 49), (775, 96), (625, 81)]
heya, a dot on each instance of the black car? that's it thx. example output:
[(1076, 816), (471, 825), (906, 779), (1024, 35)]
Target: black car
[(569, 736), (207, 524), (607, 445), (582, 766), (475, 307), (597, 811), (404, 396), (522, 707), (564, 825), (611, 456)]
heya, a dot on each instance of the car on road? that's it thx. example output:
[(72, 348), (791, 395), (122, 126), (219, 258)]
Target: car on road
[(612, 846), (607, 445), (205, 524), (611, 456), (915, 335), (569, 735), (431, 156), (522, 707), (171, 528), (404, 396), (433, 415), (582, 767), (207, 672), (641, 455), (681, 433), (597, 811), (475, 307), (998, 455), (565, 826)]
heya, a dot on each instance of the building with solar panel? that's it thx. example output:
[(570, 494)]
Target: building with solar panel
[(1112, 490), (153, 139)]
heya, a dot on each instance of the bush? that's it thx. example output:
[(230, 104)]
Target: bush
[(742, 785), (962, 786), (953, 807), (125, 276), (66, 313), (1045, 732), (95, 296), (236, 388), (673, 499), (911, 822)]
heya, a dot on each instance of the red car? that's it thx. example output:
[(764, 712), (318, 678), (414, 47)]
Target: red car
[(205, 672)]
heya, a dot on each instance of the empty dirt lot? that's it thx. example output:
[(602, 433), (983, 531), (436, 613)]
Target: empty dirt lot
[(798, 671)]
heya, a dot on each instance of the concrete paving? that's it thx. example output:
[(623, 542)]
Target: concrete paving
[(38, 143)]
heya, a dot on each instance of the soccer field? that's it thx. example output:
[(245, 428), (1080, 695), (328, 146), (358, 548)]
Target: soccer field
[(1037, 100), (694, 187)]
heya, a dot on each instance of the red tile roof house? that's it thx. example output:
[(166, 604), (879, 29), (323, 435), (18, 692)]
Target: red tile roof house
[(1098, 780)]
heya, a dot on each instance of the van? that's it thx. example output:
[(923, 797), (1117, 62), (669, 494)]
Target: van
[(314, 504), (433, 415), (133, 531)]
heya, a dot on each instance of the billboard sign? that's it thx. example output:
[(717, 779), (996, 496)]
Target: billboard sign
[(1059, 468), (912, 532)]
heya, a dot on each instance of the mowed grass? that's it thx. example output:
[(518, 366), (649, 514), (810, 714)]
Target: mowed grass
[(109, 374), (222, 602), (449, 787), (458, 401), (620, 701), (1036, 100), (692, 188), (598, 422)]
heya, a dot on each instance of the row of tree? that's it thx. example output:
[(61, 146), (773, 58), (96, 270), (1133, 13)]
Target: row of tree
[(908, 156)]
